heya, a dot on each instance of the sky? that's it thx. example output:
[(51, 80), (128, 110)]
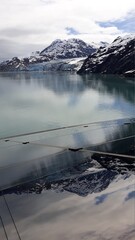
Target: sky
[(30, 25)]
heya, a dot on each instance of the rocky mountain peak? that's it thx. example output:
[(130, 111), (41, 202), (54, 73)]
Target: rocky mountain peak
[(118, 57), (71, 48)]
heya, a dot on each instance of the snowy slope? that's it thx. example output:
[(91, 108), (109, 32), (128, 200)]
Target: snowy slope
[(72, 48), (118, 57), (100, 44)]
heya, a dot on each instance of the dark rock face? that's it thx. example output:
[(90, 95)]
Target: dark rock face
[(9, 64), (117, 58), (130, 73)]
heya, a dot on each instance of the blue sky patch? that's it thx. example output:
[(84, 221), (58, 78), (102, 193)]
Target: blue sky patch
[(71, 31), (126, 25)]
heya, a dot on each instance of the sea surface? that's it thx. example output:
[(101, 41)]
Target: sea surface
[(38, 101)]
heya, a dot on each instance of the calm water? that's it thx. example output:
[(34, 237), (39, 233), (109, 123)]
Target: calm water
[(37, 101)]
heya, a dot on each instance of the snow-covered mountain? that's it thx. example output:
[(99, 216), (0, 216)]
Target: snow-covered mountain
[(118, 57), (71, 48), (76, 55), (58, 50), (99, 44)]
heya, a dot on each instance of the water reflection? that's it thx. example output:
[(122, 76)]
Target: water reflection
[(36, 101), (61, 83)]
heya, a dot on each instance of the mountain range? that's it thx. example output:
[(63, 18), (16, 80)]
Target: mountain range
[(57, 50), (72, 48), (76, 55)]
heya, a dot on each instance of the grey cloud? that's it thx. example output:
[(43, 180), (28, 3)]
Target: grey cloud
[(18, 32), (9, 49)]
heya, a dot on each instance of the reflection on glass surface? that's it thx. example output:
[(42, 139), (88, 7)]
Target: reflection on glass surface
[(33, 156), (58, 216), (50, 183)]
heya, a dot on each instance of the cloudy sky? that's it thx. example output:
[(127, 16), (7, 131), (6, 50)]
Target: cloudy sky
[(30, 25)]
